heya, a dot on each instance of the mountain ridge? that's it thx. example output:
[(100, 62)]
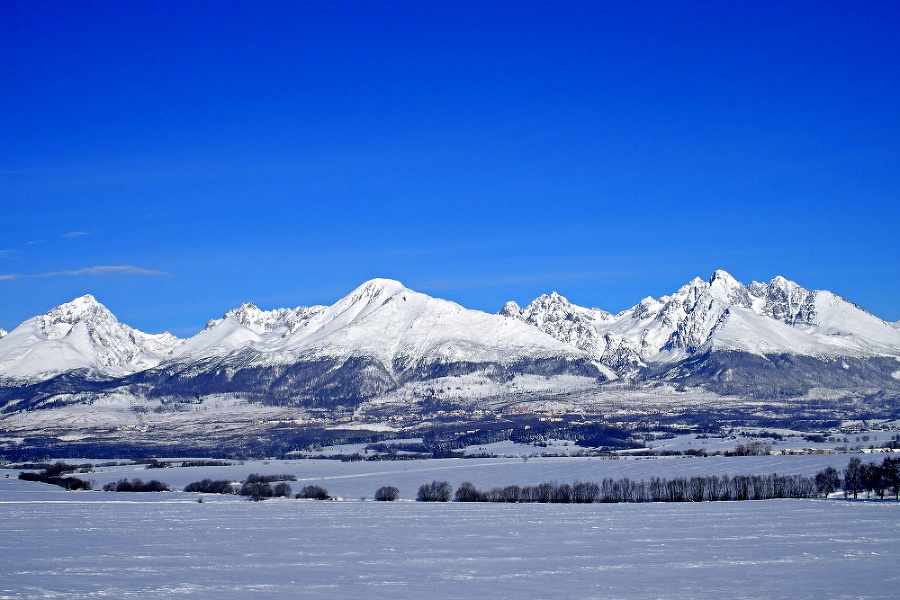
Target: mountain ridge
[(383, 336), (385, 358)]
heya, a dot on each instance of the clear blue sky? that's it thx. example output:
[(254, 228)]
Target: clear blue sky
[(178, 158)]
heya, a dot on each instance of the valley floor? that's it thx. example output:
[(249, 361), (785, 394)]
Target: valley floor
[(89, 544)]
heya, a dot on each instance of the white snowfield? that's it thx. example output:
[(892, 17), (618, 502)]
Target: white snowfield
[(58, 544), (387, 322)]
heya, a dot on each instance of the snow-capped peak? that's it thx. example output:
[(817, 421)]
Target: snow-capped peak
[(511, 309), (726, 288), (3, 333), (366, 298), (81, 334), (374, 290), (720, 313)]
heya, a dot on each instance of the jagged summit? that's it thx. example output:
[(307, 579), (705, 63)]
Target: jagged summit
[(716, 314), (79, 335)]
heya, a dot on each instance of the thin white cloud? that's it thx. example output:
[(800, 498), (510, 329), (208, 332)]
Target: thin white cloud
[(99, 270), (75, 234), (35, 242), (105, 270), (7, 253)]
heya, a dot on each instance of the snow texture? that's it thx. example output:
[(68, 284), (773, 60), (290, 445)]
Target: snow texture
[(95, 544)]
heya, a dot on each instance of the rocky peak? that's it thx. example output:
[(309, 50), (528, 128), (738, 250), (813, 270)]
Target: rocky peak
[(511, 309), (726, 288), (785, 300)]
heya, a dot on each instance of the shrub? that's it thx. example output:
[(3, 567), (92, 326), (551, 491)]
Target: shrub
[(313, 492), (386, 493), (136, 485), (210, 486), (283, 490), (467, 492), (256, 477), (256, 490), (70, 483)]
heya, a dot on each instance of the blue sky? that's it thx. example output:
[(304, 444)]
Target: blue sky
[(176, 159)]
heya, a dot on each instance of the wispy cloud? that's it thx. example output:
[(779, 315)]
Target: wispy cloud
[(75, 234), (99, 270), (7, 253), (35, 242)]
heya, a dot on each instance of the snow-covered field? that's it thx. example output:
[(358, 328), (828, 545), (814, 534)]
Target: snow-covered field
[(58, 544)]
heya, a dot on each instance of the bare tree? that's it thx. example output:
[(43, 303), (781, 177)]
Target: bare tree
[(467, 492), (282, 490), (853, 477), (386, 493), (436, 491)]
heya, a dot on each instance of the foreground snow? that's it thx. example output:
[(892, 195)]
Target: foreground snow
[(89, 544)]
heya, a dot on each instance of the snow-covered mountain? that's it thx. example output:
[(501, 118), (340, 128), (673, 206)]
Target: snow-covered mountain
[(773, 338), (377, 338), (386, 354), (717, 317), (81, 335)]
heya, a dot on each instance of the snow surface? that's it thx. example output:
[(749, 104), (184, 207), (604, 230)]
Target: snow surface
[(61, 544)]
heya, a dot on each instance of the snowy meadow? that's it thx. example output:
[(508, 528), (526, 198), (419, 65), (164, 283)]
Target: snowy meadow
[(92, 544)]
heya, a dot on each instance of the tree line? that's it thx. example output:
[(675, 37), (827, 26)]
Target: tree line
[(857, 477), (656, 489)]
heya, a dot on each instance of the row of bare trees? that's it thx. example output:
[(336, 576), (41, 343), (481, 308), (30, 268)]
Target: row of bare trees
[(657, 489), (873, 479)]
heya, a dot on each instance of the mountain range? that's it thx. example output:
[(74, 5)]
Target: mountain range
[(385, 342)]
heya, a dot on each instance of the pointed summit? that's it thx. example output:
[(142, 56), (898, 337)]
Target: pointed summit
[(377, 288), (79, 335), (84, 308), (726, 288)]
